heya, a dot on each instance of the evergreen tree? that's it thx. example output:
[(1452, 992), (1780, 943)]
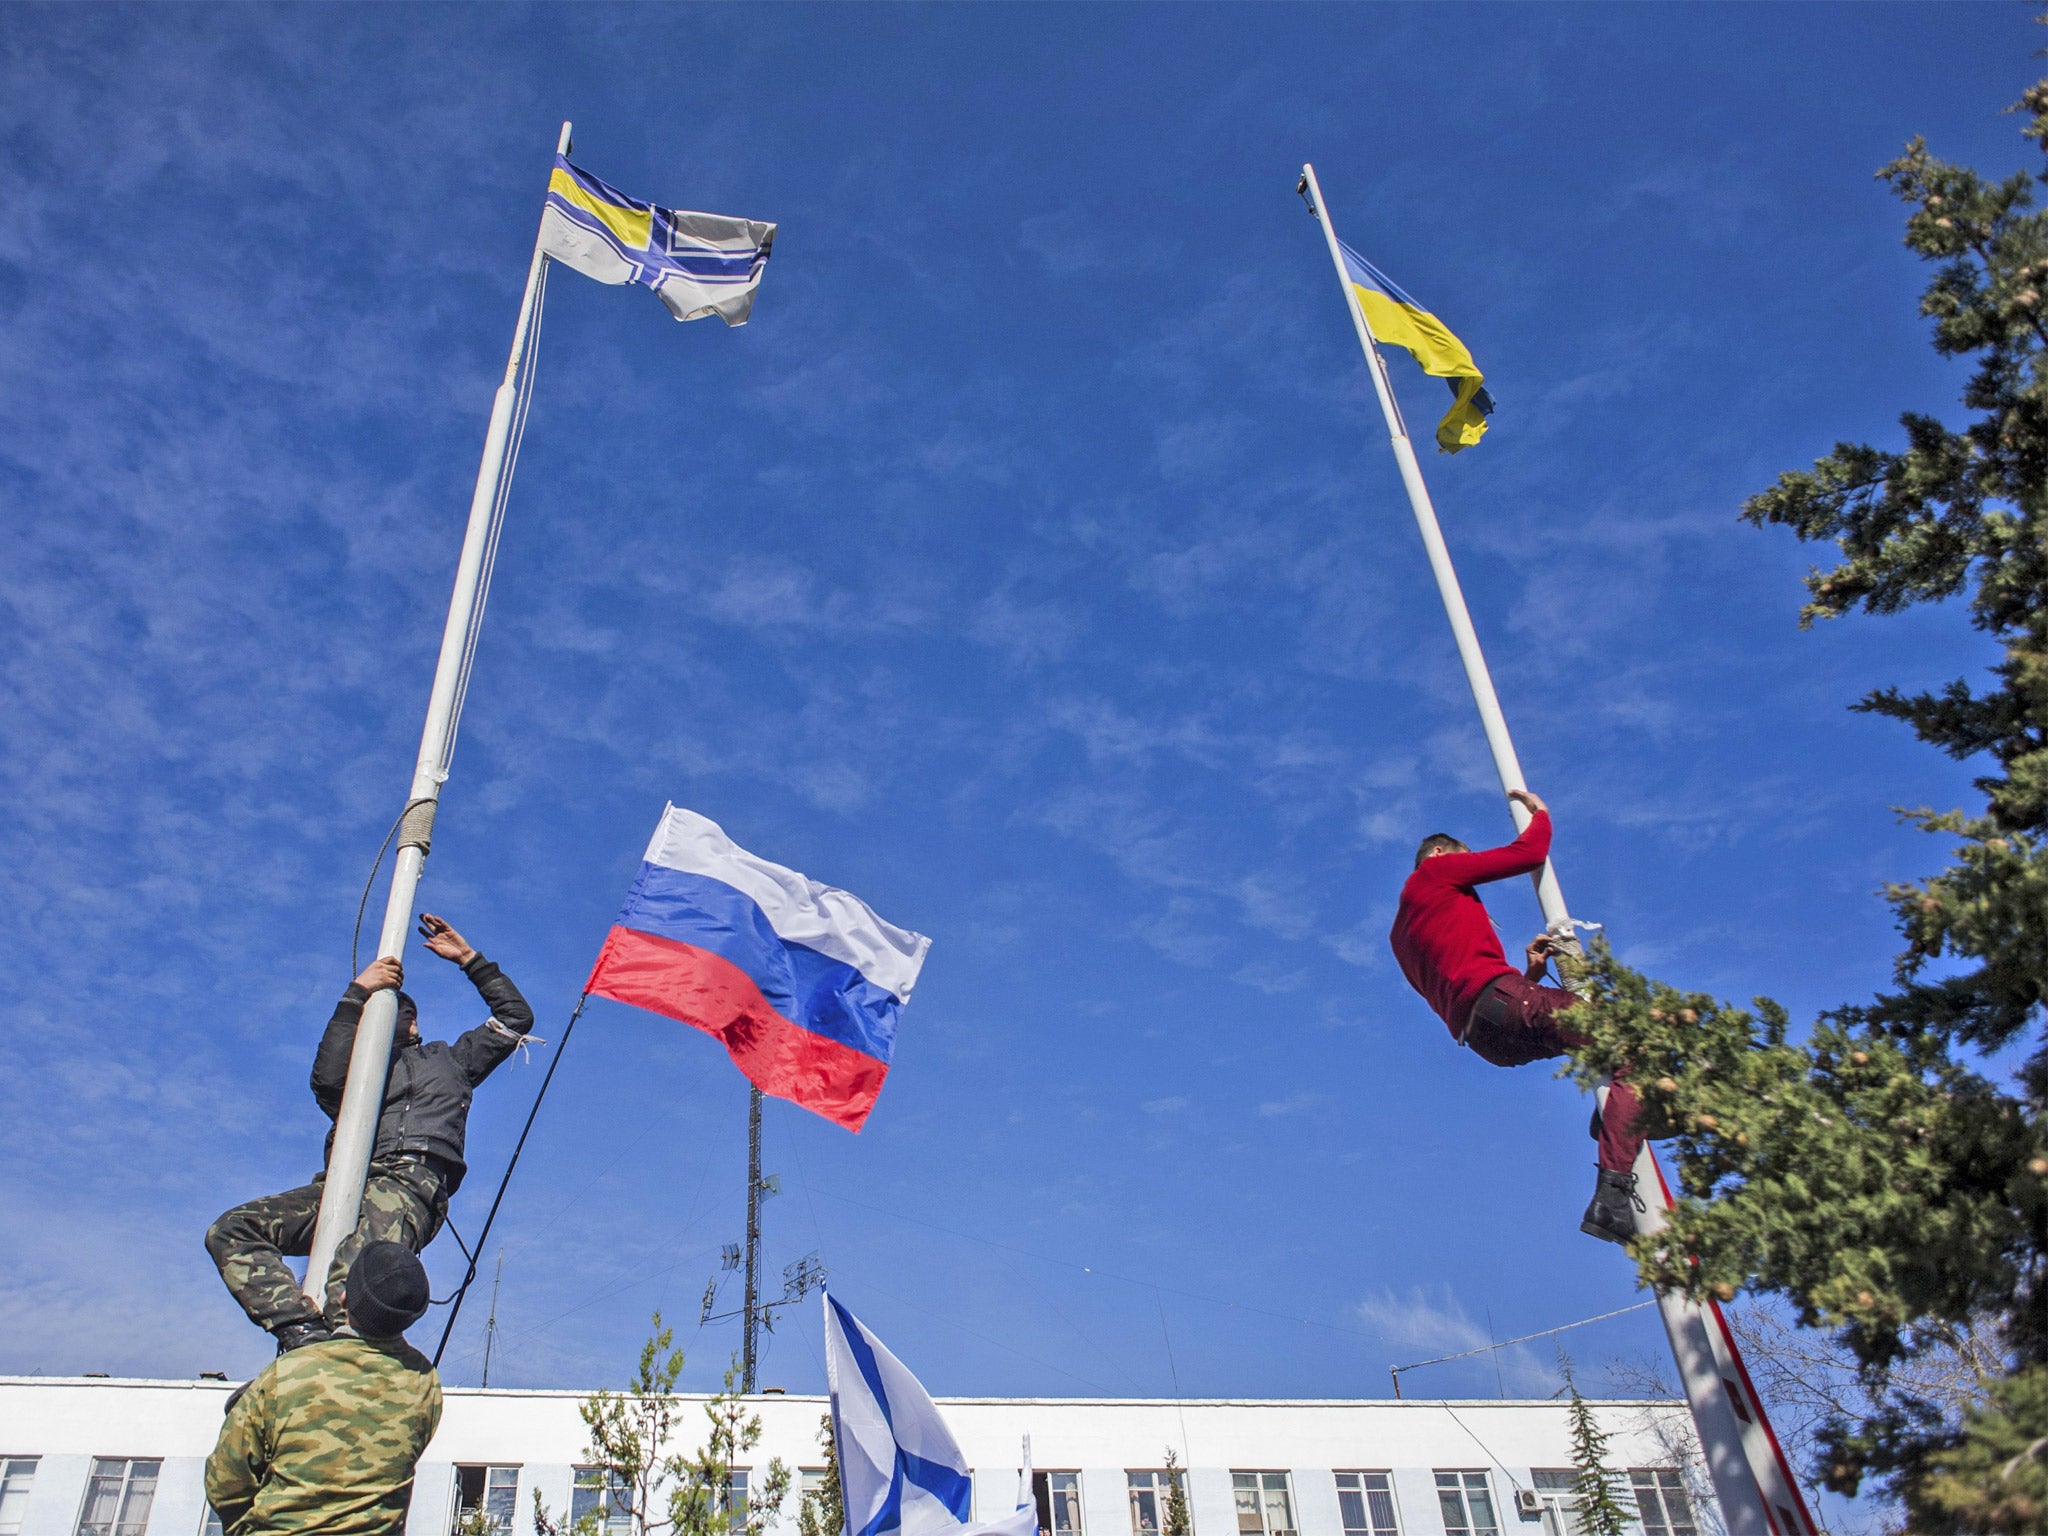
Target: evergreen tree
[(629, 1436), (1177, 1521), (822, 1510), (1880, 1174), (1595, 1510), (701, 1499), (630, 1443)]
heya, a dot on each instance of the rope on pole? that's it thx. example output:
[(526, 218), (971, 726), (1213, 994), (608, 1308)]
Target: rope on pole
[(469, 1276)]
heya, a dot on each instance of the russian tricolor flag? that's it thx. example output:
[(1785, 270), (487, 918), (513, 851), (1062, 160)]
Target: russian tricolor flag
[(802, 982)]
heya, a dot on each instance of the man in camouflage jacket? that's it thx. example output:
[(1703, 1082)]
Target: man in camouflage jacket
[(415, 1165), (324, 1441)]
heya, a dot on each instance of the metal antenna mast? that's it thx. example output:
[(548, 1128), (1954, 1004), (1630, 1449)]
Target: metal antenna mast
[(799, 1279), (750, 1354), (491, 1327)]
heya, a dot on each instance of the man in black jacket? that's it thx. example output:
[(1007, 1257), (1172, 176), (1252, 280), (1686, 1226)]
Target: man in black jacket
[(415, 1165)]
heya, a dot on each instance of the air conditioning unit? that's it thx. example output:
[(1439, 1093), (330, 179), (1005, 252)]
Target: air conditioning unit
[(1528, 1504)]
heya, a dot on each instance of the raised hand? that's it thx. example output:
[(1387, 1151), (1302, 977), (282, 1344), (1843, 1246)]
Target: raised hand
[(444, 940)]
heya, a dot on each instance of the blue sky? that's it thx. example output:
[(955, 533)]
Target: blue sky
[(1033, 565)]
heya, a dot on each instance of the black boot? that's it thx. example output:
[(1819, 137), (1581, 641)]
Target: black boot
[(1612, 1215), (293, 1335)]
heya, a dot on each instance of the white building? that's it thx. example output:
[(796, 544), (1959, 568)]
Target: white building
[(98, 1457)]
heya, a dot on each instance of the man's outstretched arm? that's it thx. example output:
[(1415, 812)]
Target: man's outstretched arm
[(479, 1050), (1524, 855)]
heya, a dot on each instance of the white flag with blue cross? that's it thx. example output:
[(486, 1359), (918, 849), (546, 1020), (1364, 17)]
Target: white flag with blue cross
[(901, 1472)]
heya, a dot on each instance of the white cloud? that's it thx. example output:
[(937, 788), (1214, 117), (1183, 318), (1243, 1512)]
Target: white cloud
[(1027, 633), (1186, 931), (1273, 980), (1364, 944), (1294, 1104), (1423, 1319), (1427, 1322)]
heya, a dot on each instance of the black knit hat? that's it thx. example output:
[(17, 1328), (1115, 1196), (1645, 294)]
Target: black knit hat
[(386, 1290), (407, 1008)]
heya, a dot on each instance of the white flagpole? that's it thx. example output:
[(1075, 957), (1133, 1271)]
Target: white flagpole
[(362, 1100), (1505, 763), (1752, 1480)]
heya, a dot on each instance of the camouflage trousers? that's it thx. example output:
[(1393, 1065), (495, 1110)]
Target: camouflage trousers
[(403, 1202)]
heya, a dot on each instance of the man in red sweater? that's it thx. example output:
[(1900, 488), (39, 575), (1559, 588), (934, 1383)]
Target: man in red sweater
[(1451, 955)]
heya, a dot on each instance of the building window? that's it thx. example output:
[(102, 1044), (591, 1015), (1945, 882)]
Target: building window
[(16, 1473), (1554, 1492), (1150, 1492), (736, 1494), (118, 1497), (1265, 1503), (486, 1499), (1661, 1501), (601, 1495), (1467, 1502), (1366, 1500), (1059, 1502), (810, 1489)]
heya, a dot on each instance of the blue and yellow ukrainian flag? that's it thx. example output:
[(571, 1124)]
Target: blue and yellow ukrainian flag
[(1396, 319), (696, 263)]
